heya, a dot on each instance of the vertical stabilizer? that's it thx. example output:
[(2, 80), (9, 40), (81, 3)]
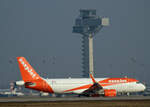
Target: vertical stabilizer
[(27, 72)]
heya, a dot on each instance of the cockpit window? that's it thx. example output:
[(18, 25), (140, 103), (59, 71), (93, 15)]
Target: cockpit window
[(138, 82)]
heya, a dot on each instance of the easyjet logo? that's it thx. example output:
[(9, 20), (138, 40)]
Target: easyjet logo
[(117, 81), (29, 70)]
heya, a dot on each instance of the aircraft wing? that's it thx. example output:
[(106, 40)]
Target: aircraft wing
[(94, 89)]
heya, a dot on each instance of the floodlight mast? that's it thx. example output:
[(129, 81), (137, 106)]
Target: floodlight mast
[(88, 24)]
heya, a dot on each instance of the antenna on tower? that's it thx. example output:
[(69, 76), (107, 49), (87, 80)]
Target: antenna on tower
[(88, 24)]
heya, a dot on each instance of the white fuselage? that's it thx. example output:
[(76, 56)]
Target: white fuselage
[(78, 85)]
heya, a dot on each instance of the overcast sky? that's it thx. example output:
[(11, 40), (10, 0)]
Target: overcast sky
[(41, 31)]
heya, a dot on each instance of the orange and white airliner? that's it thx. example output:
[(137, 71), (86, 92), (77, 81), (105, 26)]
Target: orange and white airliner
[(82, 86)]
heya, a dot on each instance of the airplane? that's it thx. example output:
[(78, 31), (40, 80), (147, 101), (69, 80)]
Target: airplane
[(108, 87)]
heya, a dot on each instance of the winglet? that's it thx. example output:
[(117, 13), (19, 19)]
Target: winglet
[(91, 76)]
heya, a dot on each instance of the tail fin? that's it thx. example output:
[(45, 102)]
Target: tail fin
[(27, 72)]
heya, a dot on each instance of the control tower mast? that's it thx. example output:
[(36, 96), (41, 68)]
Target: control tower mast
[(88, 24)]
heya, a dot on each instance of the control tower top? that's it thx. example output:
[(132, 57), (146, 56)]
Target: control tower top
[(87, 13), (89, 23)]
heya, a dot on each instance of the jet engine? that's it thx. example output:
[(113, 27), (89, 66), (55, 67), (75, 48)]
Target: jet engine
[(110, 92), (20, 83)]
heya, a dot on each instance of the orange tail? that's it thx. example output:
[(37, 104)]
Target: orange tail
[(27, 72)]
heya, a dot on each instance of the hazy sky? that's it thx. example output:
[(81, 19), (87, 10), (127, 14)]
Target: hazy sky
[(41, 31)]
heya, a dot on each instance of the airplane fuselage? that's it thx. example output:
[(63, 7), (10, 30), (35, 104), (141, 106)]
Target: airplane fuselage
[(79, 85)]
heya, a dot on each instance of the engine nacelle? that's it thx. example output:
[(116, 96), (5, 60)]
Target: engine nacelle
[(110, 92), (20, 83)]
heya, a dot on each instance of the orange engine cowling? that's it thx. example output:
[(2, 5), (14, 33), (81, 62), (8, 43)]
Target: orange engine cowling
[(110, 92)]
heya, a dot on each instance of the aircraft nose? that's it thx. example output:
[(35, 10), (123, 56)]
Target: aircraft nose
[(143, 87)]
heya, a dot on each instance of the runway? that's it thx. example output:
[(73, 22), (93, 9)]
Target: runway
[(72, 99)]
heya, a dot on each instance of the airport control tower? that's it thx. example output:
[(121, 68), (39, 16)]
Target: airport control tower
[(88, 24)]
